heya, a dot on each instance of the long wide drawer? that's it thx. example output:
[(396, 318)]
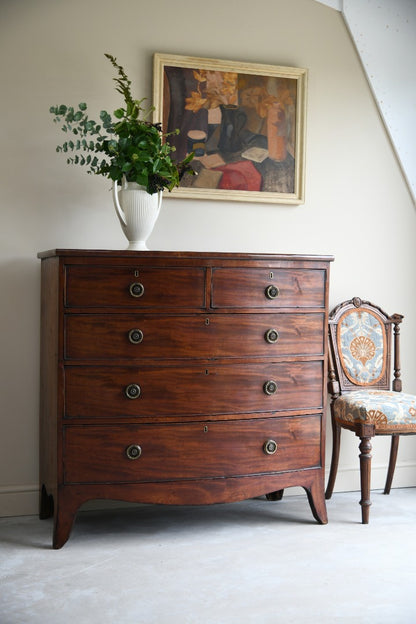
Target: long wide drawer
[(101, 392), (134, 453), (95, 336)]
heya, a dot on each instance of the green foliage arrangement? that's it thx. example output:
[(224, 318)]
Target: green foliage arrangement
[(130, 147)]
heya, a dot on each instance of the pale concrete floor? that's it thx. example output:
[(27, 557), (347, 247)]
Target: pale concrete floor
[(250, 562)]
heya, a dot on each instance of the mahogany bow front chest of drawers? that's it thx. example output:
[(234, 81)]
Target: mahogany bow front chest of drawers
[(180, 378)]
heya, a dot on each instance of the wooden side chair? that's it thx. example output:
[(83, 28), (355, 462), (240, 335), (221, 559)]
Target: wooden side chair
[(362, 399)]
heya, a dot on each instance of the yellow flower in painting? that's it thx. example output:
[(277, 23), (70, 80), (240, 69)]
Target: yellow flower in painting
[(229, 85), (230, 78), (220, 88), (195, 102), (265, 104), (259, 99), (200, 75), (285, 98)]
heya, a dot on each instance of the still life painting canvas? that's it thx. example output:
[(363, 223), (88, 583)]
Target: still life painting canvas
[(244, 122)]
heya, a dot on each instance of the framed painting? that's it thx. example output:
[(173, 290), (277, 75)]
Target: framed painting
[(244, 122)]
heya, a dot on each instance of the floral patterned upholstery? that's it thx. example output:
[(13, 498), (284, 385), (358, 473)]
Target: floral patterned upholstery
[(362, 346), (361, 339), (389, 411)]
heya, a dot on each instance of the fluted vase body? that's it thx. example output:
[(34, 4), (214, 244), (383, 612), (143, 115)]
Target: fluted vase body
[(137, 211)]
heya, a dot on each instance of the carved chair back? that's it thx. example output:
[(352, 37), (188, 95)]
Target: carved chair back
[(360, 336)]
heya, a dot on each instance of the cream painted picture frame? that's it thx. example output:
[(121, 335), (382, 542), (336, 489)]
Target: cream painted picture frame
[(245, 123)]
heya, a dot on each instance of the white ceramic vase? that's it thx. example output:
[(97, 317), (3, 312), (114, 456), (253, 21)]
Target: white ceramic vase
[(137, 211)]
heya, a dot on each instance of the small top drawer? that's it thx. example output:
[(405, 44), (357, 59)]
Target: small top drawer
[(268, 288), (127, 286)]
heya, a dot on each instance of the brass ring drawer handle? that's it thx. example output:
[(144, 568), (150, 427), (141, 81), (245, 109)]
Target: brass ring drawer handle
[(136, 289), (135, 336), (272, 292), (270, 387), (270, 447), (132, 391), (271, 336), (133, 451)]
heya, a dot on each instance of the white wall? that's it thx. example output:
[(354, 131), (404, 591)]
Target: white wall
[(357, 203)]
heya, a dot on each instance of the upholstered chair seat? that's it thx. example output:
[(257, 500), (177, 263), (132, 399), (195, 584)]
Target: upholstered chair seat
[(389, 412)]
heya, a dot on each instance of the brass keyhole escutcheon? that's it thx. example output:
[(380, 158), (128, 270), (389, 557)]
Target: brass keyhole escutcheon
[(270, 447), (271, 336), (270, 387), (132, 391), (272, 292), (135, 336), (136, 289), (133, 451)]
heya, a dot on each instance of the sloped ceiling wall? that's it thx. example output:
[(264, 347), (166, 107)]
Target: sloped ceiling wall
[(384, 32)]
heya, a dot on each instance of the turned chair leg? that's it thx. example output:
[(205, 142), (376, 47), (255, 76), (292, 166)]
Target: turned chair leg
[(392, 462), (365, 474), (336, 439)]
